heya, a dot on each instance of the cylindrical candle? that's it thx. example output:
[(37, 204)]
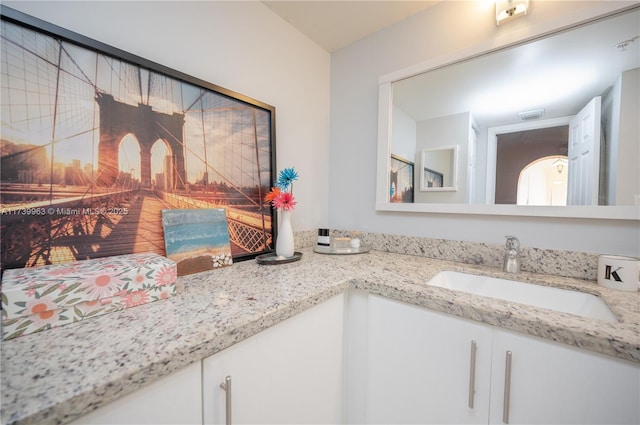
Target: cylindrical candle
[(323, 237)]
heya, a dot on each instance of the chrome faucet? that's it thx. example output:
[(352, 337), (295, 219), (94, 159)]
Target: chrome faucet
[(511, 255)]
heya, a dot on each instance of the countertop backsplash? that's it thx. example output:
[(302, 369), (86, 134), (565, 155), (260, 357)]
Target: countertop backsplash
[(579, 265)]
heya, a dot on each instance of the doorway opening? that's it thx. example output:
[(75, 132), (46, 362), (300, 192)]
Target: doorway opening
[(544, 182), (515, 151)]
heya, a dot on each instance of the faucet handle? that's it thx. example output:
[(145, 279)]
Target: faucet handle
[(512, 243)]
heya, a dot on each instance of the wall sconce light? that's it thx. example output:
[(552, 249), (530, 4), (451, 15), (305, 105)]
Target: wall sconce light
[(559, 163), (509, 9)]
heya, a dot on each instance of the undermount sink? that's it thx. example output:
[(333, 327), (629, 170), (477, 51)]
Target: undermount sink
[(562, 300)]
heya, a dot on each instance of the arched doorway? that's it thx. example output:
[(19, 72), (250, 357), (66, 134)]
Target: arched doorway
[(544, 182)]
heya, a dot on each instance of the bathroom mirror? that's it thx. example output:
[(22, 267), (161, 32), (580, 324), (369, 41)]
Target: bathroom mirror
[(535, 85)]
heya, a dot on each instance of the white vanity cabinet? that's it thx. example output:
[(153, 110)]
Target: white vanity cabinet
[(173, 399), (376, 360), (288, 373), (419, 370)]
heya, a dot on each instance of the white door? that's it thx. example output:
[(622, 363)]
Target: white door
[(290, 373), (419, 366), (553, 383), (173, 399), (584, 155)]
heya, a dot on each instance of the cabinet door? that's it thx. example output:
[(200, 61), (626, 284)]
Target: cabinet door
[(419, 366), (289, 373), (560, 384), (173, 399)]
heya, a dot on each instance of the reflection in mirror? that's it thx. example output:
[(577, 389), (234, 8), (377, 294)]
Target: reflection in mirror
[(512, 108), (438, 169), (401, 180), (543, 182), (516, 154)]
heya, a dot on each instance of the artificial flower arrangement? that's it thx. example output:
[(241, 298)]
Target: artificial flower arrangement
[(281, 198), (281, 195)]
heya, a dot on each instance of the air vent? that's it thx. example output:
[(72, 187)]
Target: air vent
[(535, 114)]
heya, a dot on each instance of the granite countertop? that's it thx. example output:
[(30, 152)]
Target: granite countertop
[(58, 375)]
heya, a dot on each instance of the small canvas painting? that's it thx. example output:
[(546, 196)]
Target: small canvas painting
[(197, 240)]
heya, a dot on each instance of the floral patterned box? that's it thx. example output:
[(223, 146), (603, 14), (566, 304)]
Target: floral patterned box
[(39, 298)]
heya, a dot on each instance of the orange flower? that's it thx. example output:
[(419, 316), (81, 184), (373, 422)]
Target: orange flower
[(42, 311), (273, 194)]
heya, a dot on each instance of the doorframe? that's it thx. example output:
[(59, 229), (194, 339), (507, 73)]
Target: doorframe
[(492, 146)]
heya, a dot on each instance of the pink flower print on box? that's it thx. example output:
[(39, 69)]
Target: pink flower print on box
[(135, 298), (42, 311), (61, 272), (142, 259), (166, 276), (44, 297), (102, 286), (32, 289), (91, 306), (111, 267)]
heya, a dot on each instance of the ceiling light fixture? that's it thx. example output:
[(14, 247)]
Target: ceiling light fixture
[(509, 9)]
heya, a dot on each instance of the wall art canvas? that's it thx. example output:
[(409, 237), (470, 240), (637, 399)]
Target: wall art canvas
[(96, 142), (401, 180), (197, 240), (431, 178)]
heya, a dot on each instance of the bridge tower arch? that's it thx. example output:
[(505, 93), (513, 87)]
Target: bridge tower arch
[(161, 153), (128, 154), (118, 119)]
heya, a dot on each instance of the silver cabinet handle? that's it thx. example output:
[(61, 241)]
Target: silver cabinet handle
[(226, 386), (472, 373), (507, 388)]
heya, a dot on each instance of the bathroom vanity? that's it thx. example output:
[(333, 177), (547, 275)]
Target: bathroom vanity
[(333, 339)]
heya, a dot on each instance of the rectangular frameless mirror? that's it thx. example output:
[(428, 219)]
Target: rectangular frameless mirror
[(474, 98), (438, 169)]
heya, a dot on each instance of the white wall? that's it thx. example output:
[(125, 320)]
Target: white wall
[(629, 153), (445, 28), (241, 46), (610, 119), (403, 135), (620, 111)]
